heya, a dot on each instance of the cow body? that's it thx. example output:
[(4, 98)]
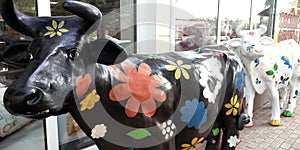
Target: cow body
[(165, 101), (270, 67)]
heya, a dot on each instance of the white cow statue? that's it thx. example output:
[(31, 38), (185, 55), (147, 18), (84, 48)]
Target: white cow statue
[(269, 67)]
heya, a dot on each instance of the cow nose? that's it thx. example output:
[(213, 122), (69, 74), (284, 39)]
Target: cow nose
[(18, 100), (43, 84), (258, 50)]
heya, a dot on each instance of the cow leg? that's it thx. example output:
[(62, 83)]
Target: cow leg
[(230, 133), (249, 94), (274, 98), (214, 137), (282, 97), (292, 100)]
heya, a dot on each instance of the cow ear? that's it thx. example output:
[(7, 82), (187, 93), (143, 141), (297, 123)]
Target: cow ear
[(235, 42), (110, 52), (266, 40)]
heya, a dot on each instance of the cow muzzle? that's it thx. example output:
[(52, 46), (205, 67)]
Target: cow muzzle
[(243, 119), (25, 101)]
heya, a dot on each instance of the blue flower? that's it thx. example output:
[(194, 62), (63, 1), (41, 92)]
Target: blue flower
[(239, 80), (256, 61), (286, 61), (194, 113)]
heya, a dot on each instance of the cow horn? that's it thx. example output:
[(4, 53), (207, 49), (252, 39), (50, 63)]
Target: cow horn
[(239, 30), (262, 29), (86, 11), (16, 20)]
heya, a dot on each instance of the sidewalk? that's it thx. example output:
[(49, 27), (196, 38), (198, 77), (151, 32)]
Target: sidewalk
[(262, 136)]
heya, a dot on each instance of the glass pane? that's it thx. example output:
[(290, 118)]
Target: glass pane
[(287, 20), (231, 19), (117, 25), (195, 23), (117, 21), (16, 131)]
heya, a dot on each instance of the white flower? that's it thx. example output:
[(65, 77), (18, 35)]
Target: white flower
[(233, 141), (168, 128), (99, 131), (210, 79)]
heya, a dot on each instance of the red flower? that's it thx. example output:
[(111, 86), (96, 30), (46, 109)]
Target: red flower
[(139, 86)]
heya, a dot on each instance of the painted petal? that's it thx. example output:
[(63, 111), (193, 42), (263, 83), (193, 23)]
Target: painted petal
[(144, 69), (149, 108), (234, 112), (54, 24), (185, 74), (237, 105), (63, 30), (228, 105), (119, 92), (200, 140), (59, 33), (171, 63), (132, 107), (61, 24), (231, 101), (177, 74), (159, 95), (179, 62), (49, 28), (127, 66), (235, 99), (53, 34), (118, 74), (185, 145), (48, 33), (194, 141), (229, 112), (186, 66), (170, 67), (186, 148)]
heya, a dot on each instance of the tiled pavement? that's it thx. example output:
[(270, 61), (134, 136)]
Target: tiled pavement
[(262, 136)]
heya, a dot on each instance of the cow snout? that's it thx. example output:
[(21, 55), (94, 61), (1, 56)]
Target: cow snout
[(243, 119), (22, 100)]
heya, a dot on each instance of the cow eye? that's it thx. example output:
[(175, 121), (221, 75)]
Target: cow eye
[(73, 53)]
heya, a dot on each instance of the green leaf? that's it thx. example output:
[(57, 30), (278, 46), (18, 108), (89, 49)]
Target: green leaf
[(275, 67), (270, 72), (198, 50), (215, 131), (139, 134)]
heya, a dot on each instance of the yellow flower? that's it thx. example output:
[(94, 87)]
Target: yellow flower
[(194, 144), (232, 106), (179, 67), (56, 29), (89, 101)]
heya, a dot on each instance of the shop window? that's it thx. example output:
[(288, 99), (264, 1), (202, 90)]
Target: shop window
[(287, 20), (17, 132), (195, 24)]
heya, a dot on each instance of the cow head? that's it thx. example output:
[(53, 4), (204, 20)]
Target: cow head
[(46, 85), (250, 43)]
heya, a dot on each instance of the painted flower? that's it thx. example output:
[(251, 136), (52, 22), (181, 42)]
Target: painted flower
[(194, 113), (286, 61), (239, 80), (210, 79), (179, 67), (168, 129), (139, 87), (195, 143), (56, 29), (233, 141), (99, 131), (232, 106), (90, 101)]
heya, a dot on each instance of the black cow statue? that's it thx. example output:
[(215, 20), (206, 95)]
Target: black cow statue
[(168, 101)]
